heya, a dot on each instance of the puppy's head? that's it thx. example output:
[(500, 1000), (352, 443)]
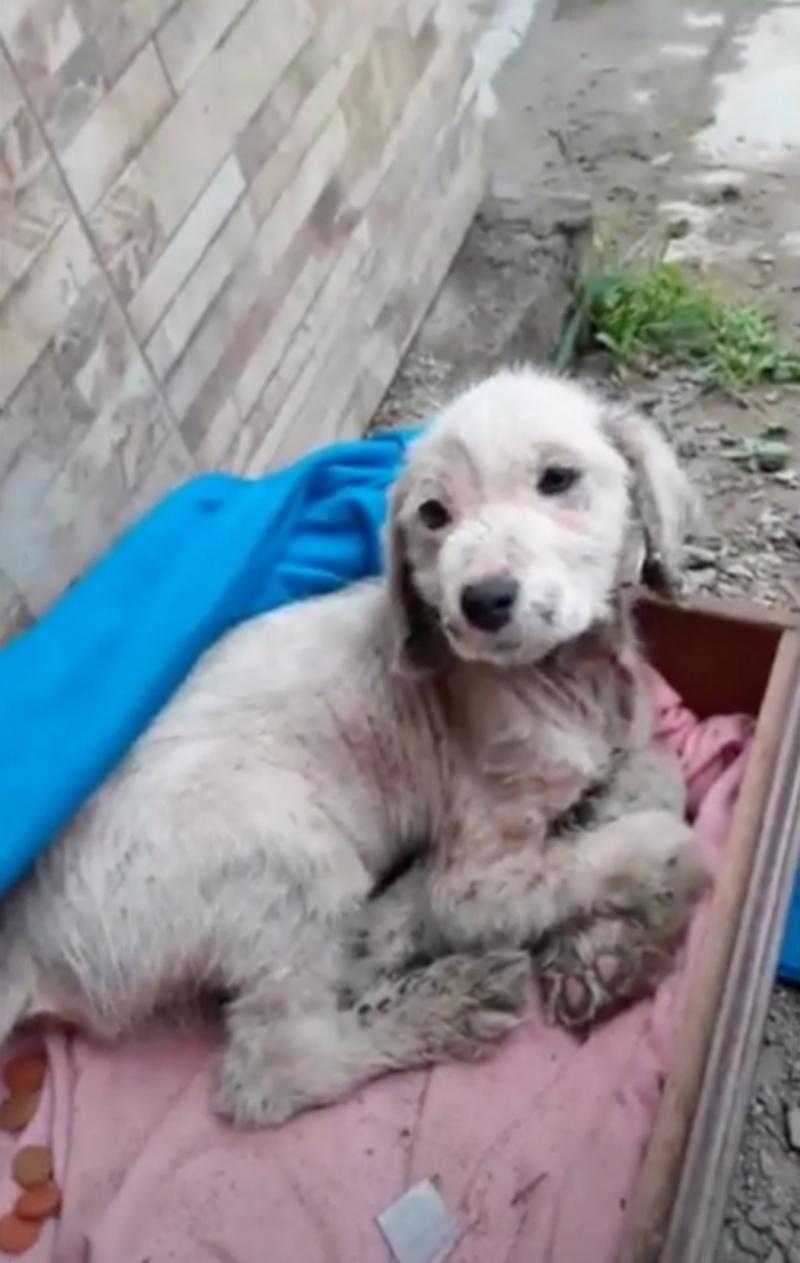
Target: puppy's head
[(518, 516)]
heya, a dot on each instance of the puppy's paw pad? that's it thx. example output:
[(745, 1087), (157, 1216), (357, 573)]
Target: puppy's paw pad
[(588, 976), (570, 999), (610, 968)]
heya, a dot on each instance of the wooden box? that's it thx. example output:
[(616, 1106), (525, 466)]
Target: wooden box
[(723, 658)]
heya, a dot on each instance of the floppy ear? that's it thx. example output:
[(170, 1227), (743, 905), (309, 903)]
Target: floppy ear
[(419, 643), (663, 501)]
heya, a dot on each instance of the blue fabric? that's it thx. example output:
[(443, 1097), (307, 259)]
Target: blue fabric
[(78, 688), (789, 960)]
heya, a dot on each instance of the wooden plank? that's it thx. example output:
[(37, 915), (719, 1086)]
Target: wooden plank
[(676, 1212), (718, 655)]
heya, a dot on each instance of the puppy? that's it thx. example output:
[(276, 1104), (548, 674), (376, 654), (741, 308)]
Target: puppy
[(480, 708)]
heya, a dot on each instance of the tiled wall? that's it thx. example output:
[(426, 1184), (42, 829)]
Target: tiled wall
[(220, 223)]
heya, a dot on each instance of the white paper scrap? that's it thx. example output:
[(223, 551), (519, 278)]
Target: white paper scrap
[(418, 1226)]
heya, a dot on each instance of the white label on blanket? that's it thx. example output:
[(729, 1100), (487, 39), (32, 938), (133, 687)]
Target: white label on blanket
[(418, 1226)]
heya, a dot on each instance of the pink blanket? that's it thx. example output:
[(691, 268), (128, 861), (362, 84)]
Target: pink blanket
[(535, 1151)]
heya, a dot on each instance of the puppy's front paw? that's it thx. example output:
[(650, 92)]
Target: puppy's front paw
[(585, 975), (663, 877), (460, 1005), (244, 1102), (497, 990)]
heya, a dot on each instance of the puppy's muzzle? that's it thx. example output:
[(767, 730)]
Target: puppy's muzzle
[(489, 605)]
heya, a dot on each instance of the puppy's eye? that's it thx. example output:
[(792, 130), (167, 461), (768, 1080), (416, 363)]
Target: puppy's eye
[(433, 514), (554, 480)]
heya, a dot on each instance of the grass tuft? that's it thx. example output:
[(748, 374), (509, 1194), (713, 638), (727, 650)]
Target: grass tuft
[(659, 314)]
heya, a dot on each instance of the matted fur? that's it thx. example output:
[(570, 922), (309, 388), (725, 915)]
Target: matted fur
[(315, 749)]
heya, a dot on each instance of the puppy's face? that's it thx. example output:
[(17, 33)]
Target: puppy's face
[(512, 520)]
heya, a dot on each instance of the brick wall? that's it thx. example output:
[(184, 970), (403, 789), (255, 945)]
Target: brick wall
[(220, 223)]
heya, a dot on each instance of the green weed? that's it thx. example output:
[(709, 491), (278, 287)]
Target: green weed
[(658, 313)]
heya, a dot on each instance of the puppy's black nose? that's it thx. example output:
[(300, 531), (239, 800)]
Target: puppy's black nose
[(488, 605)]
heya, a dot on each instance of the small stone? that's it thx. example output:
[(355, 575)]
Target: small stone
[(749, 1240), (679, 229), (772, 458), (776, 1255), (698, 558), (760, 1218), (737, 570), (783, 1234), (648, 401), (702, 578), (793, 1127)]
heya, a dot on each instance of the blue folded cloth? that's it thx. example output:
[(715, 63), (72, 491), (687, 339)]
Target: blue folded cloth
[(80, 686)]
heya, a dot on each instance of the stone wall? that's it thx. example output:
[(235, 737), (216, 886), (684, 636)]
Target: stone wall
[(220, 224)]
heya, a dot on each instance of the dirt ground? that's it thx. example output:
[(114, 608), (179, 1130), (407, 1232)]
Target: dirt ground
[(686, 118)]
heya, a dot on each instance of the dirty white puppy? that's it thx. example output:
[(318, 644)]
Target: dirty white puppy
[(482, 706)]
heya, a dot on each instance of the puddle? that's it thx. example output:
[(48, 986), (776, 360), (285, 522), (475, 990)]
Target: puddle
[(757, 116)]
